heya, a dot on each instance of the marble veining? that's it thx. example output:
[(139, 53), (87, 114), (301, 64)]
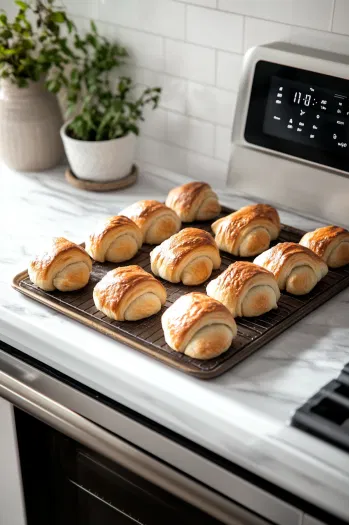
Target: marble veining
[(244, 414)]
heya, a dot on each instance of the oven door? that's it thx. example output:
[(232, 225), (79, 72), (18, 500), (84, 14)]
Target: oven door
[(106, 473)]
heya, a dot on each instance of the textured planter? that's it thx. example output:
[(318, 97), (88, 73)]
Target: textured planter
[(105, 160), (30, 120)]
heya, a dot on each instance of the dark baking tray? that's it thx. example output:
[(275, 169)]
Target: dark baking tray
[(147, 336)]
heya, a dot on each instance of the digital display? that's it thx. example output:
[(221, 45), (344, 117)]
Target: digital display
[(302, 113), (307, 114)]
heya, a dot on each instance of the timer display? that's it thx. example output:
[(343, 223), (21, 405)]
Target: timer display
[(307, 114), (301, 113)]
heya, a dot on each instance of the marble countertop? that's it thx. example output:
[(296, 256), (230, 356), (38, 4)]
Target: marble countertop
[(242, 415)]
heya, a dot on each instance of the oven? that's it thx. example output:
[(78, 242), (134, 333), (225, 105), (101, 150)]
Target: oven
[(290, 138), (80, 460)]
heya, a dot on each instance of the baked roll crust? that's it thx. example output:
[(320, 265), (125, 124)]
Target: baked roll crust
[(156, 221), (331, 243), (248, 231), (116, 239), (296, 268), (194, 201), (189, 256), (246, 289), (64, 266), (129, 293), (198, 326)]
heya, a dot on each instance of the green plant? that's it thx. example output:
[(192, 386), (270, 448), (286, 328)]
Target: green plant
[(29, 50), (101, 111)]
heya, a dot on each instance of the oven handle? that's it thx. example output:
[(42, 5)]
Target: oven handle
[(107, 444)]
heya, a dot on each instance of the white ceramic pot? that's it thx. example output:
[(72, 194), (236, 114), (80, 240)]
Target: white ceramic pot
[(30, 120), (104, 160)]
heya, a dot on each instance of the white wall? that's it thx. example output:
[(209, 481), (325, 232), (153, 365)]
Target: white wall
[(194, 49)]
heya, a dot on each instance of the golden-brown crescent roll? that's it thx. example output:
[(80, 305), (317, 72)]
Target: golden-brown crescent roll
[(64, 266), (198, 326), (189, 256), (245, 289), (296, 268), (129, 293), (331, 243), (156, 221), (194, 201), (116, 239), (248, 231)]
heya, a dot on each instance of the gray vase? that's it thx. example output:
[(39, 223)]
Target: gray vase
[(30, 120)]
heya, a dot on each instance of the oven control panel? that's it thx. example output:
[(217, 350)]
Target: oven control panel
[(301, 113), (307, 114)]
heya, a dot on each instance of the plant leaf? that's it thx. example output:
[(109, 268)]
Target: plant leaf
[(22, 5), (58, 17)]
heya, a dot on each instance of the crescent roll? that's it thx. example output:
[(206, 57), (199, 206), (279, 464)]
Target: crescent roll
[(248, 231), (117, 239), (156, 221), (331, 243), (245, 289), (189, 256), (296, 268), (129, 293), (194, 201), (198, 326), (65, 266)]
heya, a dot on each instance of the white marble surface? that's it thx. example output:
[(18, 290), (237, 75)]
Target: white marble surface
[(243, 415)]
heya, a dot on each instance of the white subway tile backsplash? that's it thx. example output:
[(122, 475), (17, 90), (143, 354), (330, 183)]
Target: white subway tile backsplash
[(222, 143), (228, 70), (145, 50), (207, 169), (315, 14), (204, 3), (341, 17), (214, 29), (320, 40), (155, 124), (163, 17), (174, 95), (162, 155), (147, 77), (259, 32), (86, 8), (211, 104), (174, 89), (190, 61), (190, 133)]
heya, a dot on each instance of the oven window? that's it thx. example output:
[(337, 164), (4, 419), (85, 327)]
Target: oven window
[(300, 113)]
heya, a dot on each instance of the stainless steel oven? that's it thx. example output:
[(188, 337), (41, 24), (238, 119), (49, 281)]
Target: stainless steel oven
[(81, 460)]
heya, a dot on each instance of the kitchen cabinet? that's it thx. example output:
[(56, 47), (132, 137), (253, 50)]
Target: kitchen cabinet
[(67, 484), (11, 496)]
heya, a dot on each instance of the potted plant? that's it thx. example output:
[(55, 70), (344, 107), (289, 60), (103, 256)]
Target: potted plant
[(33, 55), (100, 138)]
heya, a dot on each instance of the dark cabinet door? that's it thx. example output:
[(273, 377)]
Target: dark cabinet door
[(67, 484)]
